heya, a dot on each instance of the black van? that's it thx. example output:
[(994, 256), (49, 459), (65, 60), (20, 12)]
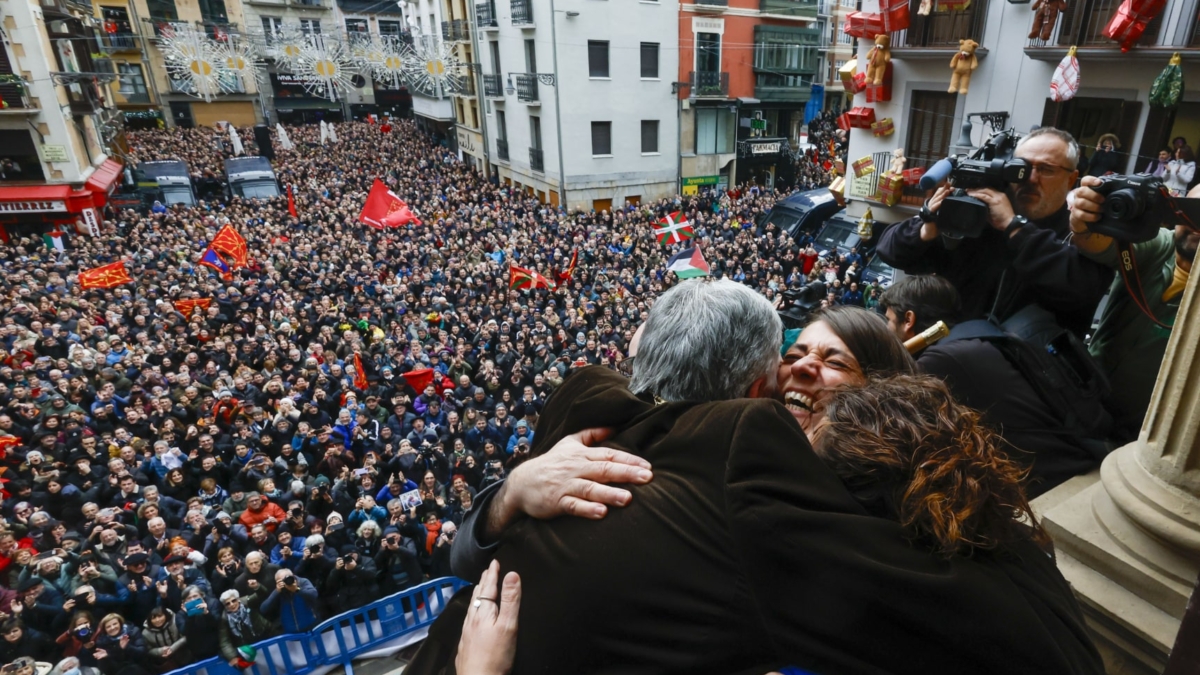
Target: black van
[(802, 213)]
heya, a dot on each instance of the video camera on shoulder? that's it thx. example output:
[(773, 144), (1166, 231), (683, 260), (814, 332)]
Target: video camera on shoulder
[(1136, 207), (800, 302), (991, 166)]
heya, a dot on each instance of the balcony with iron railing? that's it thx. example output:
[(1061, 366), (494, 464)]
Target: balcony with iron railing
[(799, 9), (493, 86), (63, 8), (318, 4), (116, 43), (467, 87), (1082, 25), (940, 32), (502, 149), (537, 160), (710, 5), (16, 95), (457, 30), (485, 13), (709, 84), (522, 12), (527, 87)]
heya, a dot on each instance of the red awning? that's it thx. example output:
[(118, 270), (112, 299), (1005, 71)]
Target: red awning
[(104, 180), (35, 199)]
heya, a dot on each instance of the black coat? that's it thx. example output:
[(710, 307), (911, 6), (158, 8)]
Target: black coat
[(747, 553)]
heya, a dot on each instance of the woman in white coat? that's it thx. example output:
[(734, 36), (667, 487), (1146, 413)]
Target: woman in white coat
[(1180, 171)]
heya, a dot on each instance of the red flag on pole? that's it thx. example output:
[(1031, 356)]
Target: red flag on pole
[(360, 375), (105, 276), (292, 202), (419, 378), (380, 203), (233, 245), (564, 277)]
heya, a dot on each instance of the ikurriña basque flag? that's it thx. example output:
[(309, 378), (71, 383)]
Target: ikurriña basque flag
[(673, 229)]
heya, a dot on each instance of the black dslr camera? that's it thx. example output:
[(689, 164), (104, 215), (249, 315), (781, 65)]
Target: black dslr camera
[(799, 303), (991, 166), (1136, 207)]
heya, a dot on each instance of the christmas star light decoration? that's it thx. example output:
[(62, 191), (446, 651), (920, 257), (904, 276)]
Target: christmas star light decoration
[(325, 67), (193, 61), (383, 58), (239, 55), (432, 68), (287, 46)]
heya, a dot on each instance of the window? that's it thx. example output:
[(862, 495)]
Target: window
[(535, 132), (357, 26), (310, 26), (162, 10), (597, 59), (213, 11), (19, 159), (116, 21), (530, 56), (501, 125), (715, 132), (272, 25), (708, 53), (649, 135), (650, 60), (931, 127), (601, 138), (844, 39), (785, 50), (389, 28), (133, 83), (494, 49)]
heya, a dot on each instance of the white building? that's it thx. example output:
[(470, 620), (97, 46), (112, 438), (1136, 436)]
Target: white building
[(1013, 77), (433, 110), (595, 116)]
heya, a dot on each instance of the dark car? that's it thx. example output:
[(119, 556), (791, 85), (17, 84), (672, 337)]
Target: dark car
[(803, 212), (840, 234)]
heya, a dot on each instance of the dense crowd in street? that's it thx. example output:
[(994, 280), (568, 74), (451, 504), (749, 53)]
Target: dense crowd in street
[(177, 487)]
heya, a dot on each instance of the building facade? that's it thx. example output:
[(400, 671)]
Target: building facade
[(284, 98), (579, 98), (747, 68), (460, 29), (433, 104), (363, 19), (57, 119)]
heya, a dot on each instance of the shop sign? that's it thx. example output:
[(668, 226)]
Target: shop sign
[(765, 148), (92, 221), (34, 206), (55, 153)]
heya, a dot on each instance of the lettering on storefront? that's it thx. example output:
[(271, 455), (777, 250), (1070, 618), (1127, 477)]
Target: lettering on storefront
[(466, 142), (91, 221), (55, 153), (45, 206), (764, 148)]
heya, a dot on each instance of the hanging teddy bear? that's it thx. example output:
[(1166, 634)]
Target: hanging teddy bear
[(963, 63), (878, 58), (898, 162), (1045, 16)]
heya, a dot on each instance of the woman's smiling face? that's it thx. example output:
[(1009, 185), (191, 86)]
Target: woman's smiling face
[(817, 362)]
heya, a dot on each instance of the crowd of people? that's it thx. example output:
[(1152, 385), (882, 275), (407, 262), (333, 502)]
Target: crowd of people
[(178, 486)]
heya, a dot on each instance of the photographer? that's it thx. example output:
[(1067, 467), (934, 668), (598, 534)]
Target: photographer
[(1128, 345), (351, 583), (318, 561), (1021, 258), (397, 562), (293, 602)]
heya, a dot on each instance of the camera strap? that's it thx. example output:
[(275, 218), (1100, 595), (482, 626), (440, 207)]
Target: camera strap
[(1127, 265)]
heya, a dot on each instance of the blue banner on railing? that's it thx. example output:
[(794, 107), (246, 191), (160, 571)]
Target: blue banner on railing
[(383, 626), (816, 103)]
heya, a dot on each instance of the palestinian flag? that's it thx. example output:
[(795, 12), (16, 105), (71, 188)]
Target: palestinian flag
[(54, 241), (688, 263), (105, 276), (673, 229), (522, 279)]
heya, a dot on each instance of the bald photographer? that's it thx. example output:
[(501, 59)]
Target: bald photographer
[(1017, 255)]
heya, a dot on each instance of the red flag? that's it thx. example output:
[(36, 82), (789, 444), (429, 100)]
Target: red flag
[(105, 276), (520, 279), (7, 443), (380, 203), (419, 378), (292, 202), (401, 217), (233, 245), (189, 305), (564, 277), (385, 128), (360, 375)]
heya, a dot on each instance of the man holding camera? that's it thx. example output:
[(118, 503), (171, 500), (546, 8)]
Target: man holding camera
[(1128, 345), (293, 602), (1021, 257)]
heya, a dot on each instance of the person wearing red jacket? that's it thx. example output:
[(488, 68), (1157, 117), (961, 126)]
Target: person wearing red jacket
[(261, 510)]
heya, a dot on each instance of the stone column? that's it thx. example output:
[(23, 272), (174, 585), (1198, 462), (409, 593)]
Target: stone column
[(1129, 542)]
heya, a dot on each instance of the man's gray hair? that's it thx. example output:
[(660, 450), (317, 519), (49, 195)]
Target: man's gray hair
[(706, 340), (1065, 137)]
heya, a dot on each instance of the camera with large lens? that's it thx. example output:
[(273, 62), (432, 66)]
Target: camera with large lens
[(800, 302), (1136, 207), (991, 166)]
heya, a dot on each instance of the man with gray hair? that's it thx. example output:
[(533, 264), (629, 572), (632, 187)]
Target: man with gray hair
[(1022, 257), (654, 585)]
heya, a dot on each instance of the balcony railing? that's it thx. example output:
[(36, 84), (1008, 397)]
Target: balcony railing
[(943, 30), (493, 86), (527, 87), (468, 85), (825, 7), (710, 83), (712, 5), (522, 12), (797, 8), (537, 161), (1082, 24), (456, 31), (502, 149), (485, 12), (114, 43), (309, 3), (16, 95)]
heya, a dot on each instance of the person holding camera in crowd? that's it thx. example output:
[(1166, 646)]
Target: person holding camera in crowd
[(1022, 256), (293, 602), (1128, 344)]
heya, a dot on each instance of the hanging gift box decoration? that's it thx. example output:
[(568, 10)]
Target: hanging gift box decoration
[(884, 127), (895, 15), (863, 25), (866, 225), (1065, 82), (837, 188), (861, 117), (1129, 21), (839, 166), (863, 167), (891, 188), (843, 121), (846, 74), (913, 176), (1167, 90), (881, 93)]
